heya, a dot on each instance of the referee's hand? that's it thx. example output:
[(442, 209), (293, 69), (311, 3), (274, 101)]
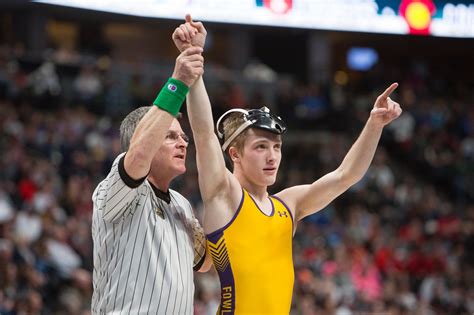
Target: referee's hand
[(189, 66)]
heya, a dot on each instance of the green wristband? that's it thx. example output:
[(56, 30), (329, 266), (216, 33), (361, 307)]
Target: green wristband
[(172, 96)]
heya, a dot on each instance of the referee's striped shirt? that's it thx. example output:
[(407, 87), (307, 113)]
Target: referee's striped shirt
[(143, 248)]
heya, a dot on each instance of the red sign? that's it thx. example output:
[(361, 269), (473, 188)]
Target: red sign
[(417, 14), (278, 6)]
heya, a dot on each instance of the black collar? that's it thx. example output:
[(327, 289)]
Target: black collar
[(165, 196)]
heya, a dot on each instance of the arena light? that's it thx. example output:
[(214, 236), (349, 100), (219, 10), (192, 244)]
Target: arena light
[(420, 17), (362, 58)]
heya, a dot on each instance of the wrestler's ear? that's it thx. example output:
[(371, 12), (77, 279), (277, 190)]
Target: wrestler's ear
[(234, 154)]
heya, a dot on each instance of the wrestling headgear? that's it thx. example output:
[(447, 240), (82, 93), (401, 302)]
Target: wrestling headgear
[(257, 118)]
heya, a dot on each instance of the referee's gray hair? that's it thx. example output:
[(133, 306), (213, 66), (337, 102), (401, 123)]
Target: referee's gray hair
[(129, 124)]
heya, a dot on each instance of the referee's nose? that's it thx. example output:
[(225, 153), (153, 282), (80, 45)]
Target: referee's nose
[(181, 143)]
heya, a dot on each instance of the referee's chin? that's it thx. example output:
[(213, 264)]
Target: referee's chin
[(180, 169), (178, 165)]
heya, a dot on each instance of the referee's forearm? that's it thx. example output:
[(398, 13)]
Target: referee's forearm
[(146, 140)]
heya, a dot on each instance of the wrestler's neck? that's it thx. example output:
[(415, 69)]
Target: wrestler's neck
[(256, 190)]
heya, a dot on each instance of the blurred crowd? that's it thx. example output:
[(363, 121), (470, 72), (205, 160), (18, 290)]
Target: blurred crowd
[(399, 242)]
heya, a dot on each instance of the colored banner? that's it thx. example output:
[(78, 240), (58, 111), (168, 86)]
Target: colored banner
[(417, 17)]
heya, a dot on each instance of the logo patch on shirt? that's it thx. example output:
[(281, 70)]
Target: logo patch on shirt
[(283, 214), (160, 212)]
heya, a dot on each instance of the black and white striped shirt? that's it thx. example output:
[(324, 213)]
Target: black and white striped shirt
[(143, 248)]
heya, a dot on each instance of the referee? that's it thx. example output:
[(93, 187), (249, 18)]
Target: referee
[(146, 238)]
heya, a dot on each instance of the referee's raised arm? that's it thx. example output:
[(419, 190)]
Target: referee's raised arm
[(152, 129)]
